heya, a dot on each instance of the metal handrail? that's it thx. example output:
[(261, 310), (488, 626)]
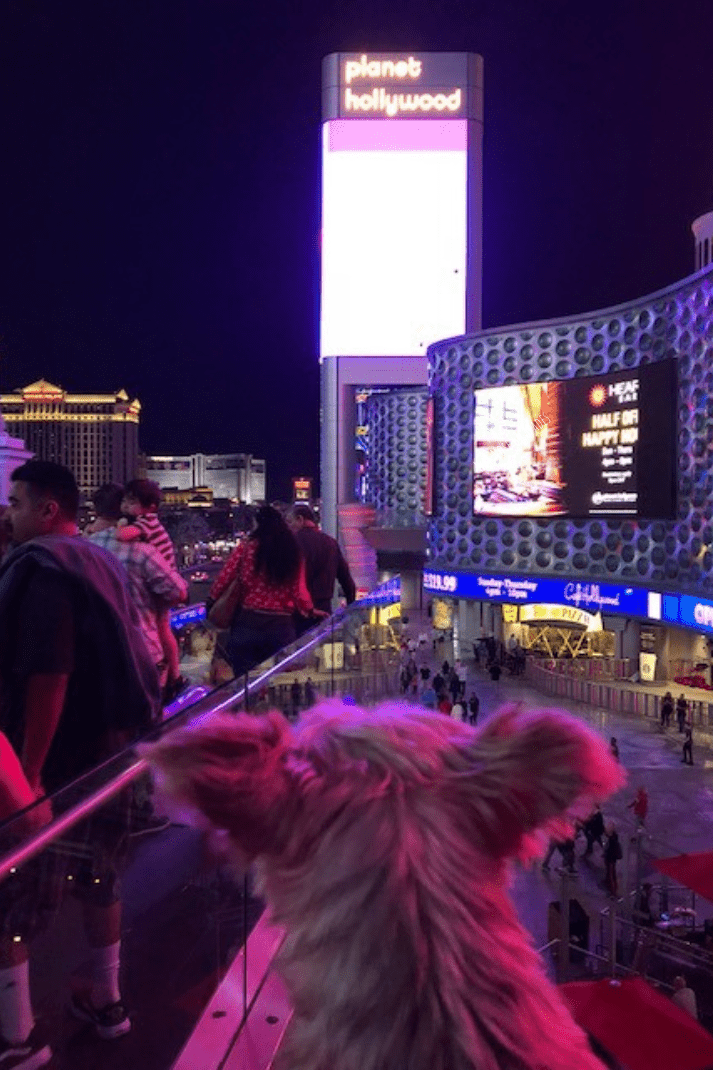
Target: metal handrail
[(27, 850), (36, 843)]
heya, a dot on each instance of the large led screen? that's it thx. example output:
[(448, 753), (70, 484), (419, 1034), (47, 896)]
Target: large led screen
[(394, 227), (584, 447)]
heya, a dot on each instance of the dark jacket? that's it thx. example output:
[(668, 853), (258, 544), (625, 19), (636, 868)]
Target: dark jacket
[(324, 563), (594, 825), (108, 628), (613, 852)]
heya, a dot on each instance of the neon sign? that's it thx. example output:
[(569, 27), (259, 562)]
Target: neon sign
[(685, 610), (382, 68), (440, 86), (393, 104)]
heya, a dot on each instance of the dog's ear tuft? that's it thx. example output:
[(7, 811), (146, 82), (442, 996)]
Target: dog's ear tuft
[(534, 772), (231, 769)]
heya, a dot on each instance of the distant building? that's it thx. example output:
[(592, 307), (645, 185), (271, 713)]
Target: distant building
[(96, 435), (302, 489), (237, 476)]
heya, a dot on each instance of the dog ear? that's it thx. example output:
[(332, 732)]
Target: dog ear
[(231, 769), (533, 773)]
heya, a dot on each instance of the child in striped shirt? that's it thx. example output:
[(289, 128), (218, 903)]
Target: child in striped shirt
[(139, 507)]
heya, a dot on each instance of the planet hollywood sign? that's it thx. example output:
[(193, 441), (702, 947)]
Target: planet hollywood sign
[(393, 104), (683, 610), (398, 86)]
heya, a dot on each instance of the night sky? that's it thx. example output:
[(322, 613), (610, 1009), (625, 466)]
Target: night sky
[(160, 187)]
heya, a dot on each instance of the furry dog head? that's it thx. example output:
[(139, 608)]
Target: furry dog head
[(382, 838)]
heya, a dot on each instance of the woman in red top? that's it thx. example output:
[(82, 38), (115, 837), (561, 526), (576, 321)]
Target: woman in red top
[(271, 576)]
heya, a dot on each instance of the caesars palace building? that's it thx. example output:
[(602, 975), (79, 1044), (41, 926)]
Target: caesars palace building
[(96, 435)]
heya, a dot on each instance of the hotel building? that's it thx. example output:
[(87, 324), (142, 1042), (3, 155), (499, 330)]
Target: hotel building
[(96, 435), (237, 476)]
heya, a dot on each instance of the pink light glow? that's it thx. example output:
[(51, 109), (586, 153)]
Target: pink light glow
[(388, 135)]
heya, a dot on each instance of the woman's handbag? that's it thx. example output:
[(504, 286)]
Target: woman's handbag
[(221, 613)]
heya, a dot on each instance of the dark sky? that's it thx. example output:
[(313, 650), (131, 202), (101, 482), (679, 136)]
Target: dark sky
[(159, 168)]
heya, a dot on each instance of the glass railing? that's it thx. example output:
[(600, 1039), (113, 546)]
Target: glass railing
[(99, 865)]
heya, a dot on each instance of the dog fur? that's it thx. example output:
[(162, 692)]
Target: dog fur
[(382, 838)]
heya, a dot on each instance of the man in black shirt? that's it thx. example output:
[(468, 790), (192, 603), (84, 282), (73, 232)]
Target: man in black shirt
[(77, 683), (324, 561)]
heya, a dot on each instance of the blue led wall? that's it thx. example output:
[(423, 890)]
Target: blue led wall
[(666, 554)]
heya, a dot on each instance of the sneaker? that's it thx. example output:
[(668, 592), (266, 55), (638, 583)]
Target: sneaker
[(110, 1022), (32, 1053)]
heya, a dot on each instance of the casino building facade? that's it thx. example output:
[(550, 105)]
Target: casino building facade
[(237, 476), (96, 435), (601, 520)]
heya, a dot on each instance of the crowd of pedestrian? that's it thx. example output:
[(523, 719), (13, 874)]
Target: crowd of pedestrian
[(683, 720), (87, 661), (444, 690), (275, 585), (594, 831)]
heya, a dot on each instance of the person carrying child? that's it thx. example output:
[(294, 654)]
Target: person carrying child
[(139, 508)]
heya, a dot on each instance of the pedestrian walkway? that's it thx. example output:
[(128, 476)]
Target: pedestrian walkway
[(680, 817)]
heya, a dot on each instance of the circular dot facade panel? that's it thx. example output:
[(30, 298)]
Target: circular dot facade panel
[(678, 554), (396, 466)]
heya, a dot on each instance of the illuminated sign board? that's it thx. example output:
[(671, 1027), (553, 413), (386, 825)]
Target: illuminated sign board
[(402, 85), (555, 614), (401, 173), (684, 610), (578, 447), (591, 597), (301, 489), (384, 595), (688, 611), (190, 615)]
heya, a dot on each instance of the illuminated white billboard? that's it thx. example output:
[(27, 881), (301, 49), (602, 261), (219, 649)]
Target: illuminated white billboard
[(394, 235), (401, 181)]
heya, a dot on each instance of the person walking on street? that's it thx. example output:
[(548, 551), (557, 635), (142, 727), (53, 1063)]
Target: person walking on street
[(614, 748), (444, 704), (640, 805), (681, 711), (593, 829), (428, 696), (666, 709), (688, 746), (566, 850), (612, 854), (684, 997), (643, 913), (473, 708), (458, 711)]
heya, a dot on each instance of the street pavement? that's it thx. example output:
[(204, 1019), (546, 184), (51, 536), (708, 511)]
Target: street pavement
[(680, 815)]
